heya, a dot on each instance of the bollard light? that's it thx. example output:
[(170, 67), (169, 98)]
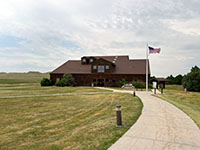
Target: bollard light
[(154, 90), (133, 93), (118, 116)]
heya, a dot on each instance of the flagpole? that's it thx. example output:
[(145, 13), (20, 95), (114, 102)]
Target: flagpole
[(147, 69)]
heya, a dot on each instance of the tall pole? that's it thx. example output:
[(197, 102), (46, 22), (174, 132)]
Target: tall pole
[(147, 69)]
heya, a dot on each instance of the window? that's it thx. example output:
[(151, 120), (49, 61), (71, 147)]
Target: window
[(107, 66), (94, 80), (91, 60), (107, 80), (94, 67), (84, 60), (100, 68), (113, 80)]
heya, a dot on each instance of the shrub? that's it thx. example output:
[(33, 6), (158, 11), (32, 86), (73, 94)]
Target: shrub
[(191, 81), (60, 83), (138, 85), (175, 80), (150, 86), (46, 82), (122, 82), (67, 80)]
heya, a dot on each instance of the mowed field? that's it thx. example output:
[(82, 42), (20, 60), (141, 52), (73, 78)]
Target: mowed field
[(80, 121), (188, 102), (19, 78)]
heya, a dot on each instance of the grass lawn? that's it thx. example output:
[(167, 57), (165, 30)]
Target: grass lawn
[(17, 78), (188, 102), (118, 88), (62, 122)]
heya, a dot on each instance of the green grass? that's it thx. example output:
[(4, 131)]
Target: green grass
[(188, 102), (36, 89), (118, 88), (16, 78), (78, 122)]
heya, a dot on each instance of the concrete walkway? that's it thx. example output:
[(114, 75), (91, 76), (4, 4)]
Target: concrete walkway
[(161, 126)]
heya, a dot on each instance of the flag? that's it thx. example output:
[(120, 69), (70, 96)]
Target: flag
[(154, 50)]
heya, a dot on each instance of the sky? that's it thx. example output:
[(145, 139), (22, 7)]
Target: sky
[(40, 35)]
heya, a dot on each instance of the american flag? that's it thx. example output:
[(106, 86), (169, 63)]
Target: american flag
[(153, 50)]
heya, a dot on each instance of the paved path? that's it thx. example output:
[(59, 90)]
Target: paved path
[(161, 126)]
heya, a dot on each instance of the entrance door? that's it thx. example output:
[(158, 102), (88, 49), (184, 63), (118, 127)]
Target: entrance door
[(100, 82)]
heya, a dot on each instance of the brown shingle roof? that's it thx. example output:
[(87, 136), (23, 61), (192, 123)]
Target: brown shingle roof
[(159, 79), (123, 66)]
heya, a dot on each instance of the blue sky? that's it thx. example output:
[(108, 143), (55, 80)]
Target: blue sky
[(41, 35)]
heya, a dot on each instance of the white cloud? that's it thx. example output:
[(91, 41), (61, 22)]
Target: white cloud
[(101, 28)]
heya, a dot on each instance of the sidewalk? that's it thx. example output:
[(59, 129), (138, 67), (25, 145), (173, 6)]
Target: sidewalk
[(161, 126)]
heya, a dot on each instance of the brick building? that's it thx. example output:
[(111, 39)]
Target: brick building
[(102, 70)]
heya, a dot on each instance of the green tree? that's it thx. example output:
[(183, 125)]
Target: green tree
[(175, 80), (170, 79), (122, 82), (67, 80), (191, 81), (46, 82), (178, 79)]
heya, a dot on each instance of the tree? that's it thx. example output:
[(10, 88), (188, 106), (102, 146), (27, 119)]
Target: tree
[(67, 80), (175, 80), (170, 79), (122, 82), (178, 79), (46, 82), (191, 81)]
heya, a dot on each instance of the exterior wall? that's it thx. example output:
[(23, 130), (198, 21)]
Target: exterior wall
[(107, 80), (55, 77)]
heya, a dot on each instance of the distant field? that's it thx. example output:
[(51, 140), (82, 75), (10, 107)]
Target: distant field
[(16, 78), (78, 122), (188, 102)]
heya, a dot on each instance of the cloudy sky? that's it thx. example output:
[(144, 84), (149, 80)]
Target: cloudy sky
[(40, 35)]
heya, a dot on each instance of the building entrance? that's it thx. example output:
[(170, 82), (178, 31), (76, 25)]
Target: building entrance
[(100, 82)]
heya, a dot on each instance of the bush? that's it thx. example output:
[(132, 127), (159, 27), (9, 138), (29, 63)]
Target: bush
[(139, 85), (191, 81), (46, 82), (175, 80), (67, 80), (60, 83), (122, 82), (150, 86)]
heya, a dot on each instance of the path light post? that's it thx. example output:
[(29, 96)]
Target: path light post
[(161, 87), (133, 93), (119, 116)]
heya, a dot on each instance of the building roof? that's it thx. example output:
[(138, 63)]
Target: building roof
[(123, 65), (159, 79)]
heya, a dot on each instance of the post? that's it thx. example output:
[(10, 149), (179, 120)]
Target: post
[(118, 115), (162, 90), (133, 93), (147, 69)]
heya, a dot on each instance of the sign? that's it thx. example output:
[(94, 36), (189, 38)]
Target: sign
[(154, 85)]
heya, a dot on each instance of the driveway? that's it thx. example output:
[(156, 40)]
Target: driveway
[(161, 126)]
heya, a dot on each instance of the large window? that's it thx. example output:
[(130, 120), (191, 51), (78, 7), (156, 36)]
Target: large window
[(100, 68), (107, 67), (94, 67), (84, 60), (91, 60)]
